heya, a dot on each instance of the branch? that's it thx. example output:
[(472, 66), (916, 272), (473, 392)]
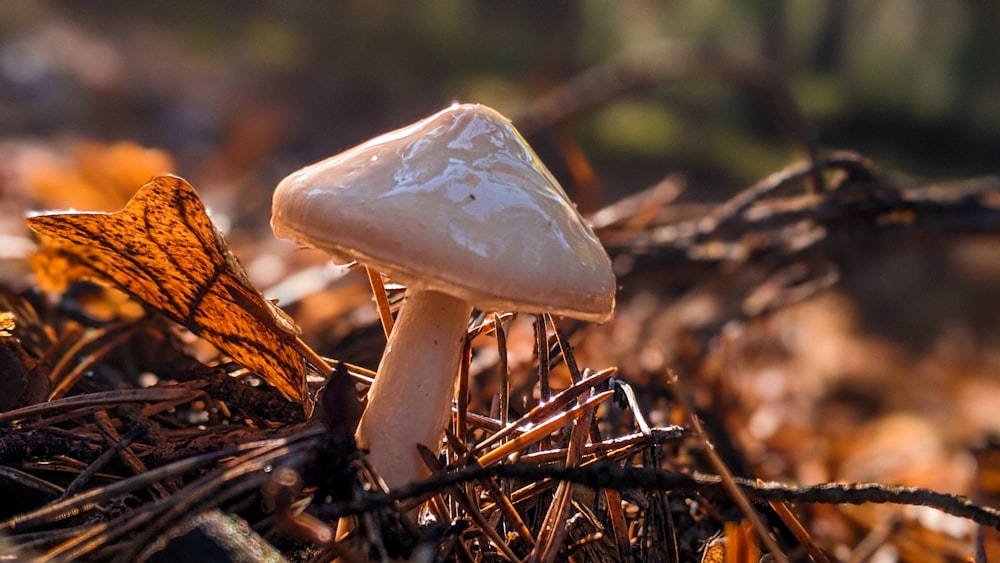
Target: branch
[(614, 476)]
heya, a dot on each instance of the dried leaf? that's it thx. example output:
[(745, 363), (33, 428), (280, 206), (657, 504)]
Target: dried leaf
[(98, 177), (163, 250), (6, 323)]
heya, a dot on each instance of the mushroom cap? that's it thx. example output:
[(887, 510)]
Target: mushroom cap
[(457, 203)]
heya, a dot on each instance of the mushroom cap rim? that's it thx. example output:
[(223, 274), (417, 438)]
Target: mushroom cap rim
[(473, 295)]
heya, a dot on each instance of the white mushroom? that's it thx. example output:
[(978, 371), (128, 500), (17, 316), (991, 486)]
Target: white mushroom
[(460, 209)]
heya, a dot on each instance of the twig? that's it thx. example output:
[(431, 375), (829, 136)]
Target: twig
[(554, 528), (799, 531), (567, 351), (89, 499), (109, 339), (84, 477), (542, 348), (542, 429), (612, 475), (105, 399), (127, 455), (726, 477), (503, 369), (546, 409), (381, 300), (468, 505), (500, 497), (28, 480)]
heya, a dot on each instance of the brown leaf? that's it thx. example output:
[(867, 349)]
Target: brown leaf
[(163, 250), (97, 177), (6, 323)]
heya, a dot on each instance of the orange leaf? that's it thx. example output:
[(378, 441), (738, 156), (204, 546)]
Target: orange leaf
[(97, 177), (163, 250), (6, 323)]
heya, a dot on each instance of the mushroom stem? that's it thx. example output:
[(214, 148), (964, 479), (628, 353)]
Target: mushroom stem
[(410, 400)]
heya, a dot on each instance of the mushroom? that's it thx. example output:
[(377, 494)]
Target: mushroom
[(458, 208)]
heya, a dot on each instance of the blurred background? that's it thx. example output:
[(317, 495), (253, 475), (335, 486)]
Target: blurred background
[(252, 89), (897, 362)]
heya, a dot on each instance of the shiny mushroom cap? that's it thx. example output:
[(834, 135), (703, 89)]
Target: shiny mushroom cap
[(457, 203)]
